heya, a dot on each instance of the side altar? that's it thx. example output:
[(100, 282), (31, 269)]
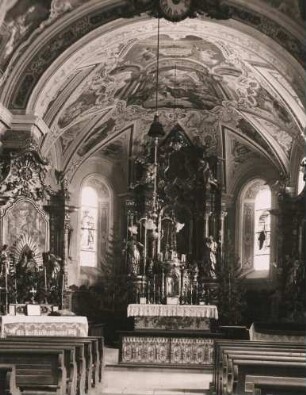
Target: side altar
[(72, 326)]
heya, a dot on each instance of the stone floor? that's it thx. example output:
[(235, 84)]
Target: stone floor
[(152, 381)]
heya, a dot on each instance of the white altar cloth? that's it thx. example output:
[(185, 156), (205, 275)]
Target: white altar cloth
[(162, 310), (43, 326)]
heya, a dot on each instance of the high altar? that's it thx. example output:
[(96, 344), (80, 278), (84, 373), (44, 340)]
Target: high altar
[(174, 244)]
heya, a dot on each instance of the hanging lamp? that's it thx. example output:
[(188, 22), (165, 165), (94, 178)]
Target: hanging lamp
[(156, 129)]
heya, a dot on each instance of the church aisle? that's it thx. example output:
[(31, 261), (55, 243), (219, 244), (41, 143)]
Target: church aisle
[(138, 381)]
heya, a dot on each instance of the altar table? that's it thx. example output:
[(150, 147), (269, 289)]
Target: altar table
[(173, 317), (162, 310), (170, 335), (43, 326)]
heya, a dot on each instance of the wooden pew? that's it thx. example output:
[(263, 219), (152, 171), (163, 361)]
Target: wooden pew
[(221, 345), (249, 350), (8, 380), (41, 371), (268, 368), (263, 385), (231, 356), (69, 357), (91, 359)]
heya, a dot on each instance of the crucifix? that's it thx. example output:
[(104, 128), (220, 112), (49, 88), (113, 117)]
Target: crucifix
[(33, 293)]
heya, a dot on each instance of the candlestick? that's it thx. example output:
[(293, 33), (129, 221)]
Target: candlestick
[(6, 290), (154, 288), (45, 279)]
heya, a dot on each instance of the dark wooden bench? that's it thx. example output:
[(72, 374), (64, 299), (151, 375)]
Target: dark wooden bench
[(227, 353), (232, 355), (269, 368), (69, 357), (37, 370), (263, 385), (223, 345), (8, 380), (90, 360)]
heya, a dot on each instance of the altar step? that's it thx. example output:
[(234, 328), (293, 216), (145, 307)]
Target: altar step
[(160, 368), (154, 382), (151, 380)]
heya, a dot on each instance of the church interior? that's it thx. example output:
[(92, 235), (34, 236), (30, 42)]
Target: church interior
[(152, 197)]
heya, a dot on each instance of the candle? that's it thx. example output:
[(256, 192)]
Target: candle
[(183, 258), (45, 278)]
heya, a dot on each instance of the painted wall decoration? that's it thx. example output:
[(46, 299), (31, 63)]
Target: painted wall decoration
[(25, 219), (294, 9), (241, 154), (67, 138), (96, 136), (269, 103), (20, 21), (179, 87)]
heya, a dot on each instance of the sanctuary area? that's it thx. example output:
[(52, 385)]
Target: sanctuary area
[(152, 197)]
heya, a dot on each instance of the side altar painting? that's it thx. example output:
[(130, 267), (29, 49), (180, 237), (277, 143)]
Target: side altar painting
[(32, 269), (174, 222)]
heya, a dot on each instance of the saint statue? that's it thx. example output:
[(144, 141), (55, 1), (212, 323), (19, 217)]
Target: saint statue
[(52, 264), (211, 255), (4, 260), (133, 256), (27, 263)]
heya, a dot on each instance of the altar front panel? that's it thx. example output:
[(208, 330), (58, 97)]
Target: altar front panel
[(167, 348), (44, 326)]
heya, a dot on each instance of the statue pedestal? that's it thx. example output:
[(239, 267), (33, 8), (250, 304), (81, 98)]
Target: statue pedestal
[(173, 300), (139, 289)]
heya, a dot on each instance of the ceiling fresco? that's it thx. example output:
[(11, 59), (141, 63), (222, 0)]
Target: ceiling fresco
[(203, 83), (294, 9), (212, 74), (23, 17)]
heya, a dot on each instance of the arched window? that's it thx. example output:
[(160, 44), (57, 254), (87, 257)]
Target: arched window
[(89, 225), (301, 181), (94, 221), (262, 229), (255, 225)]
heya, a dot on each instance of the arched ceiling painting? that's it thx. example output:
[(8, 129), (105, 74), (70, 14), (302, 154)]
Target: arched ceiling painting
[(214, 76)]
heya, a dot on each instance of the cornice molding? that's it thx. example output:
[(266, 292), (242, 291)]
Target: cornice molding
[(30, 123)]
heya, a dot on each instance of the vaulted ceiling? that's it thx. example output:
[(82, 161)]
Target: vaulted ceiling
[(88, 70)]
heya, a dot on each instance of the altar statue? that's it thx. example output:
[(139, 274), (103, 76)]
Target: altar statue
[(4, 261), (27, 263), (211, 247), (52, 264), (133, 256)]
